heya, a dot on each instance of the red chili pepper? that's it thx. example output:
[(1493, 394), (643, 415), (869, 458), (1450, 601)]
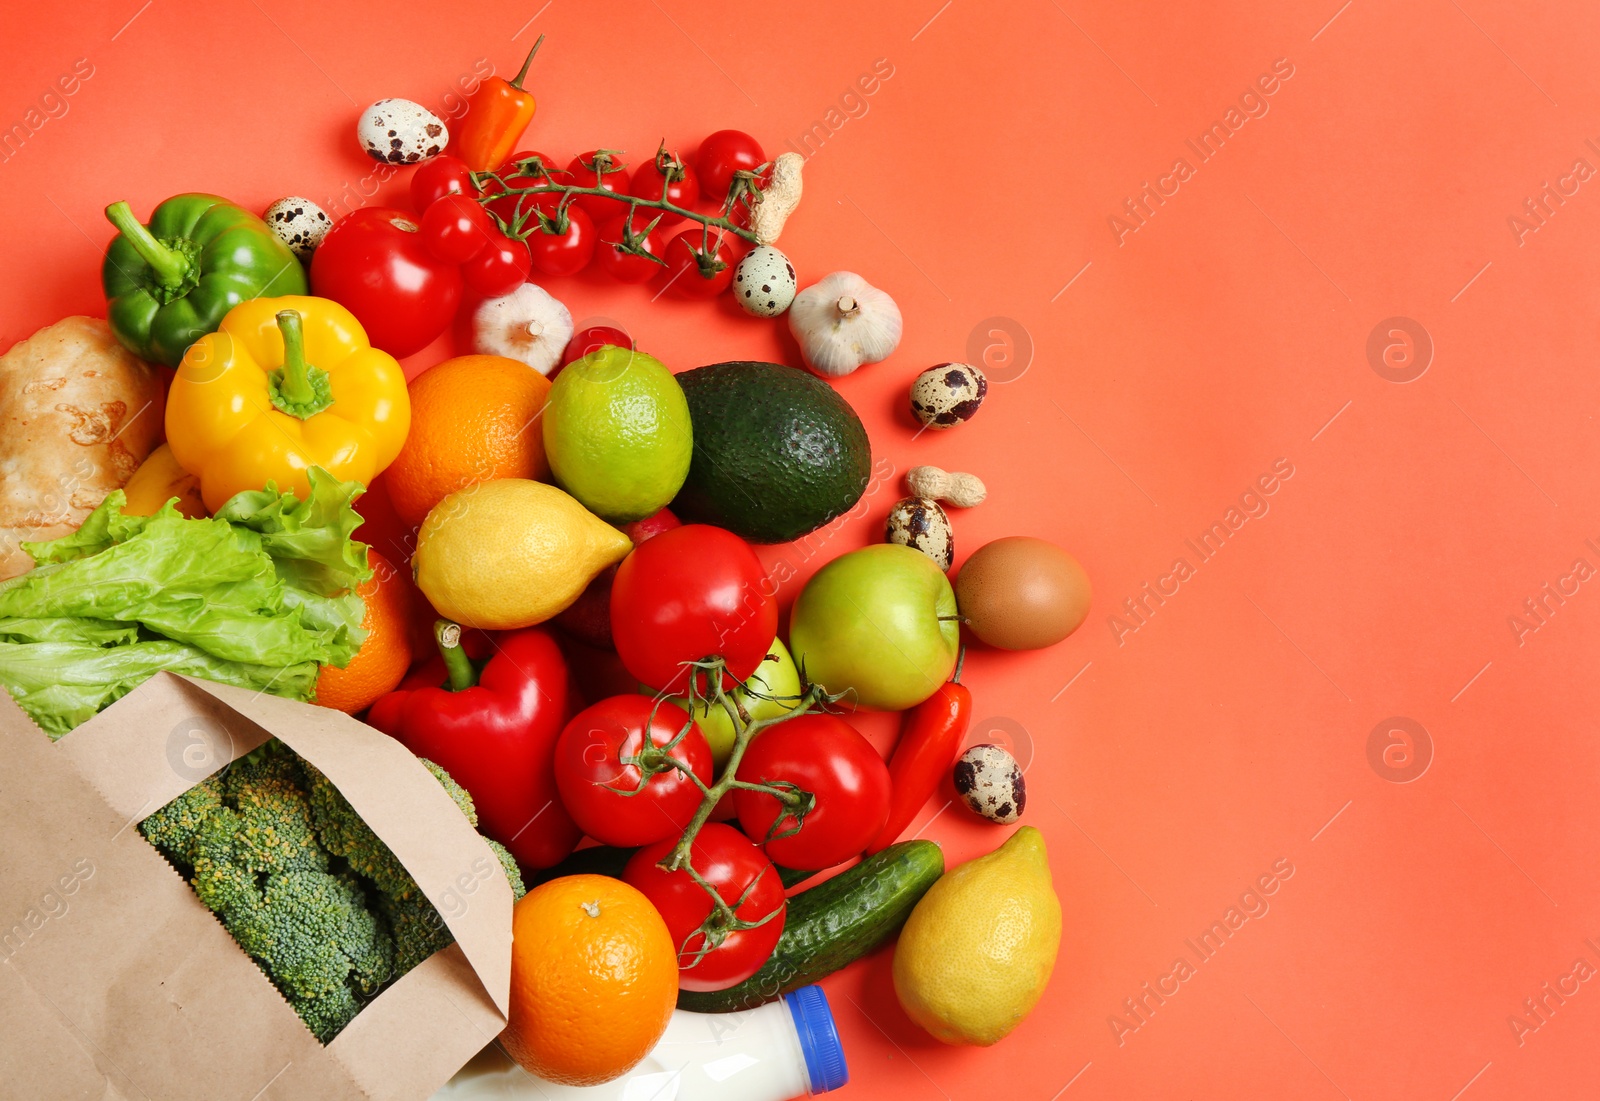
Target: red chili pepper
[(930, 742), (495, 733), (497, 114)]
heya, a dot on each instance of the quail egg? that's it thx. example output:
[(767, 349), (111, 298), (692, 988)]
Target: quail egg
[(398, 131), (299, 223), (948, 395), (764, 282), (990, 784), (922, 524)]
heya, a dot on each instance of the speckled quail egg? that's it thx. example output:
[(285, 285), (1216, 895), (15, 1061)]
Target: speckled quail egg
[(948, 395), (401, 132), (990, 784), (922, 524), (299, 223), (764, 282)]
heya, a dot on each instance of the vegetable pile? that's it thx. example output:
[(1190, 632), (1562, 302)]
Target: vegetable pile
[(565, 608)]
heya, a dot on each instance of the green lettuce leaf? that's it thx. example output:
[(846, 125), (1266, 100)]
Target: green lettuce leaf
[(260, 595)]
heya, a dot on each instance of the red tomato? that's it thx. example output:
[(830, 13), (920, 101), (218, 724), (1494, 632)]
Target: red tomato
[(712, 956), (687, 275), (500, 268), (691, 593), (457, 228), (600, 168), (588, 340), (434, 179), (515, 180), (564, 253), (650, 182), (614, 801), (374, 264), (627, 267), (847, 782), (721, 155)]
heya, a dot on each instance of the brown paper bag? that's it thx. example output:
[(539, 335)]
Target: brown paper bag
[(117, 983)]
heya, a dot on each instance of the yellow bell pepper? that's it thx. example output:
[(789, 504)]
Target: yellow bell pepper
[(158, 480), (283, 385)]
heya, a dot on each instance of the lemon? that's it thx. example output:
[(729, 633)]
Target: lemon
[(616, 432), (772, 690), (511, 553), (976, 953)]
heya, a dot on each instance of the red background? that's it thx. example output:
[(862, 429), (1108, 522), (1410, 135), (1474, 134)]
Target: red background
[(1143, 385)]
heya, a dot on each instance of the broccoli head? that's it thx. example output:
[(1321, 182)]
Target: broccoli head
[(509, 863), (418, 929), (460, 794), (344, 834)]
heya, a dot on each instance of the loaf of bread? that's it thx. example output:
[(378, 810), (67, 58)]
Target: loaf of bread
[(78, 414)]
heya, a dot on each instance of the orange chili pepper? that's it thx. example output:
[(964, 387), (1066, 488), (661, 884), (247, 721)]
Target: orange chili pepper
[(497, 115)]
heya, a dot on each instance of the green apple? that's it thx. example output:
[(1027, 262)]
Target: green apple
[(880, 623), (771, 690)]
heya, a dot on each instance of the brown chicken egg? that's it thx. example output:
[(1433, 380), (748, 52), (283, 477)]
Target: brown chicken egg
[(1021, 593)]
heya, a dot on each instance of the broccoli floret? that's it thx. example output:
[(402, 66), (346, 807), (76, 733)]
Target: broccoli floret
[(174, 827), (314, 934), (326, 1016), (418, 929), (344, 834), (509, 863), (460, 794)]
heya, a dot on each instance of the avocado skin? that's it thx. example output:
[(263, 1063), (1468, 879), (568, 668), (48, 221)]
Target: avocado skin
[(777, 452)]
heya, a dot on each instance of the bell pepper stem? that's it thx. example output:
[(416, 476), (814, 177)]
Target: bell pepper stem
[(296, 385), (169, 264), (522, 73), (448, 637)]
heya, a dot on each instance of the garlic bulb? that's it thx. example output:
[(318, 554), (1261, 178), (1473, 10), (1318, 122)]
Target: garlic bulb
[(843, 321), (527, 325)]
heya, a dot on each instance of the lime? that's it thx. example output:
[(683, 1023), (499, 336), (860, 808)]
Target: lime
[(616, 431)]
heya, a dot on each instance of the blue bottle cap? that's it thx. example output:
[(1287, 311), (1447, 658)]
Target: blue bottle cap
[(819, 1039)]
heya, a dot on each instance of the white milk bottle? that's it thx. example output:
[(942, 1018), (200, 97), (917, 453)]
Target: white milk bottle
[(783, 1050)]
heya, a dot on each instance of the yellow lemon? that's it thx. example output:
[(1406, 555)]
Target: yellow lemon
[(976, 953), (511, 553)]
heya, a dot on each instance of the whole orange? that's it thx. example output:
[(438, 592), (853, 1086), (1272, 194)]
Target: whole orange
[(473, 419), (594, 978), (385, 655)]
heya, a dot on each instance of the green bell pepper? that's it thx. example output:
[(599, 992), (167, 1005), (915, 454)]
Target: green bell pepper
[(170, 284)]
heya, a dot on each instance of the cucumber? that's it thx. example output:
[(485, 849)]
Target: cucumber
[(833, 924), (609, 860)]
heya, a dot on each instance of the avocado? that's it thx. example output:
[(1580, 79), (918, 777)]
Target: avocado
[(777, 452)]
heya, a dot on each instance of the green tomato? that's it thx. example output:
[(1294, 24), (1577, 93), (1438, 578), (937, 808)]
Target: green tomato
[(776, 678), (879, 623)]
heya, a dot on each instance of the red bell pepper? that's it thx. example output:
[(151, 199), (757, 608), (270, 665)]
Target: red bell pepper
[(495, 733), (930, 742)]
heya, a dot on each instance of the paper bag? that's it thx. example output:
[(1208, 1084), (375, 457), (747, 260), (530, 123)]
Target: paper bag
[(117, 983)]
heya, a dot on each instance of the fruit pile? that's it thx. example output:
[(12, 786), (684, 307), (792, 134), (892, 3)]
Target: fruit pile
[(557, 600)]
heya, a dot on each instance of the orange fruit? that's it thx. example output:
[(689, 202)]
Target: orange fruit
[(594, 978), (386, 654), (473, 419)]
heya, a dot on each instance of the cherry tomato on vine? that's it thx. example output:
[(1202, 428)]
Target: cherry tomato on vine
[(686, 274), (456, 228), (627, 267), (598, 168), (506, 205), (721, 155), (711, 955), (500, 268), (591, 339), (844, 777), (638, 803), (373, 264), (694, 592), (564, 253), (650, 182), (437, 177)]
